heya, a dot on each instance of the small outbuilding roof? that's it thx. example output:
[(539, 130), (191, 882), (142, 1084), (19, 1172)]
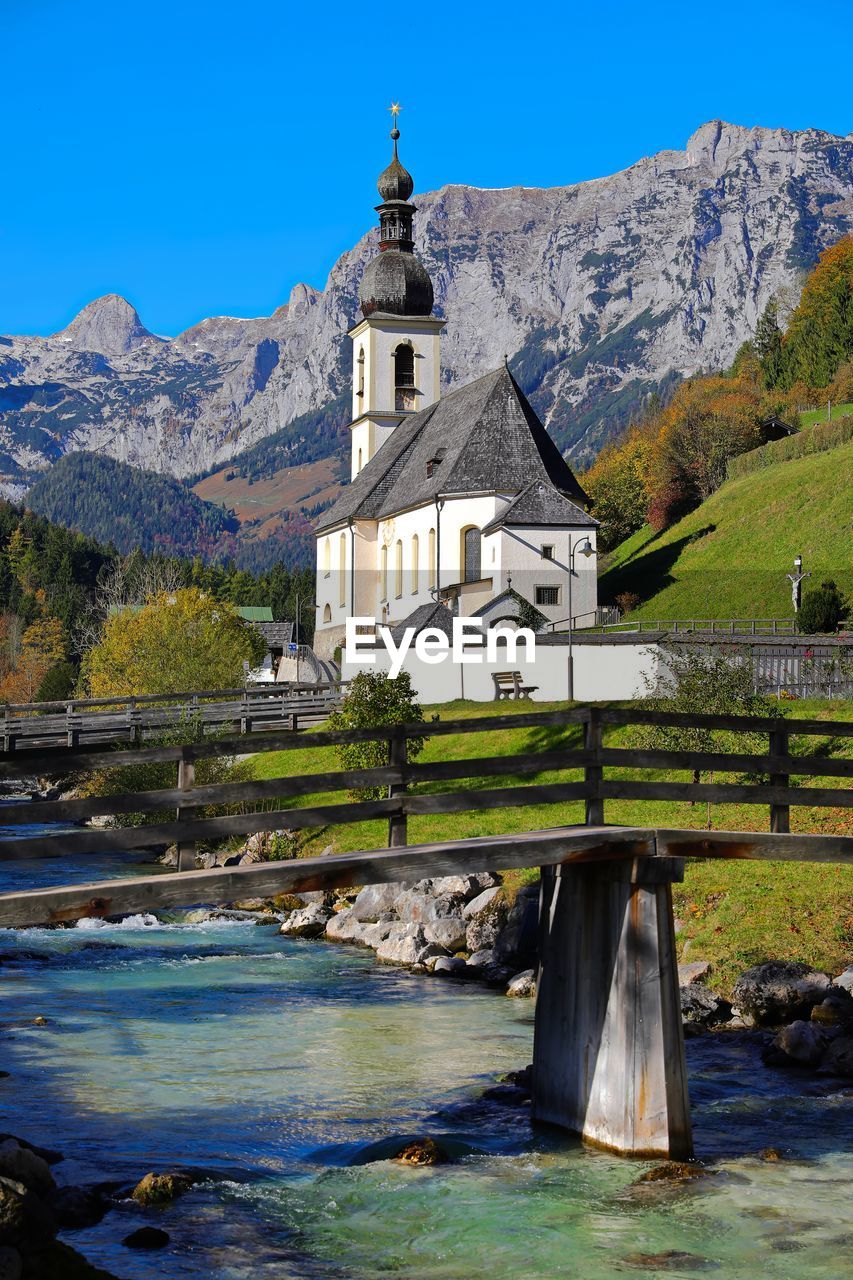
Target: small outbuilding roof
[(433, 614)]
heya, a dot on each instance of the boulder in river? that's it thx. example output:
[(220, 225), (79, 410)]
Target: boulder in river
[(22, 1165), (702, 1007), (161, 1188), (374, 899), (523, 984), (403, 944), (146, 1238), (24, 1217), (77, 1207), (836, 1010), (779, 991), (802, 1044), (838, 1059), (422, 1151), (310, 922)]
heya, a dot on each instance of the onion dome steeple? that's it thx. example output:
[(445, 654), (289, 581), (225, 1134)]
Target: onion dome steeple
[(396, 282)]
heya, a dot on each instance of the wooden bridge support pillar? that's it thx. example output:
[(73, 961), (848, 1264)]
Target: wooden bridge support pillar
[(608, 1057)]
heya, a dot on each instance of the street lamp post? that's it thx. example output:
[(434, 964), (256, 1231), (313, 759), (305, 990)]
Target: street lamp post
[(586, 549)]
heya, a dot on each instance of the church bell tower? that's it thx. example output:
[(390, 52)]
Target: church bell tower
[(396, 359)]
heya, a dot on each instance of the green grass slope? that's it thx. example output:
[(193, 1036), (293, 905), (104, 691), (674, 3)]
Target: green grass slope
[(729, 557)]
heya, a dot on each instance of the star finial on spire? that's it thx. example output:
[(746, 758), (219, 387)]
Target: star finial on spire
[(395, 110)]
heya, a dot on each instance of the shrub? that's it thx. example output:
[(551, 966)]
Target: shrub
[(373, 700), (823, 608)]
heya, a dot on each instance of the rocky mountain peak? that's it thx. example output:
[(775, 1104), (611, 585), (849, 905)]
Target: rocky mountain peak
[(109, 325)]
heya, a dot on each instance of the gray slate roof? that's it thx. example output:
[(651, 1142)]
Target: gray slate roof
[(541, 504), (491, 440), (277, 634), (426, 615)]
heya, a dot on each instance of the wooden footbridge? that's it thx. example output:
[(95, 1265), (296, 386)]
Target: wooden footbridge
[(81, 721), (608, 1050)]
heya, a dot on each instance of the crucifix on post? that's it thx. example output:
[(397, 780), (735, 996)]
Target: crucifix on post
[(795, 580)]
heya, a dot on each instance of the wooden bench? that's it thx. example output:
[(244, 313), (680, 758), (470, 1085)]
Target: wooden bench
[(508, 685)]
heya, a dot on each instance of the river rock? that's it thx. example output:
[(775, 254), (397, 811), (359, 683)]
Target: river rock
[(146, 1238), (374, 899), (483, 902), (403, 944), (440, 917), (779, 991), (801, 1044), (24, 1217), (693, 971), (342, 927), (310, 922), (702, 1007), (449, 965), (468, 887), (432, 951), (838, 1059), (77, 1207), (22, 1165), (835, 1010), (479, 959), (422, 1151), (516, 942), (161, 1188), (523, 984), (845, 979)]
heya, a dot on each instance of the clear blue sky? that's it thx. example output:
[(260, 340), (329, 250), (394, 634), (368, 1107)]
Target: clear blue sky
[(201, 158)]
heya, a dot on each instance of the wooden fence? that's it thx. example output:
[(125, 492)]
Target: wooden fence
[(79, 721), (595, 761)]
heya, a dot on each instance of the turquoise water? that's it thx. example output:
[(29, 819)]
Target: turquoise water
[(273, 1065)]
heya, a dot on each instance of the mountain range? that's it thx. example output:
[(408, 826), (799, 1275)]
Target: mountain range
[(600, 293)]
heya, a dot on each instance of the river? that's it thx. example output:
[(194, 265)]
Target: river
[(276, 1064)]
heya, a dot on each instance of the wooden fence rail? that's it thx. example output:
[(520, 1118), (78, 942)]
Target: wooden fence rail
[(35, 725), (743, 777)]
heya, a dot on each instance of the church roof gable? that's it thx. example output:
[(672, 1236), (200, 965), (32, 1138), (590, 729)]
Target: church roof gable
[(541, 504)]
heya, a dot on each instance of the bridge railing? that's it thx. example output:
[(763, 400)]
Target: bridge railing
[(410, 785), (73, 721)]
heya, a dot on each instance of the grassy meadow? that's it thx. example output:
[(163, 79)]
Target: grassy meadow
[(729, 557)]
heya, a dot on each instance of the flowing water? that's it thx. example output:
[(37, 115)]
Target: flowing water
[(279, 1067)]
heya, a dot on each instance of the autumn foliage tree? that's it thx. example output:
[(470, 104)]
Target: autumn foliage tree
[(819, 337), (178, 641)]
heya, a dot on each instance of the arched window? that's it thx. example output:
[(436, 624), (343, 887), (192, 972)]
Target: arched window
[(398, 569), (471, 555), (327, 613), (416, 549), (432, 577), (359, 380), (404, 376), (384, 573), (342, 569)]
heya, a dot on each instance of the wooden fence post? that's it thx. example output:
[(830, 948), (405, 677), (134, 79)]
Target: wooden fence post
[(186, 782), (608, 1047), (780, 814), (593, 774), (397, 757), (72, 726)]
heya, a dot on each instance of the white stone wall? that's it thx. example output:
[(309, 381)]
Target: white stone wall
[(602, 672)]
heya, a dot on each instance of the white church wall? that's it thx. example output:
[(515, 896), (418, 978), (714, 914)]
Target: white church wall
[(521, 557)]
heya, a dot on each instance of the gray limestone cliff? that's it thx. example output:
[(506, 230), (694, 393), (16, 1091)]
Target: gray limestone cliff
[(600, 292)]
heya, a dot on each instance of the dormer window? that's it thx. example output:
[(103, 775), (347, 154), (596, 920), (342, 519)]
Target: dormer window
[(404, 377), (434, 461)]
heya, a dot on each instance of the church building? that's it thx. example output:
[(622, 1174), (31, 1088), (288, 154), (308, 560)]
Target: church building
[(457, 502)]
